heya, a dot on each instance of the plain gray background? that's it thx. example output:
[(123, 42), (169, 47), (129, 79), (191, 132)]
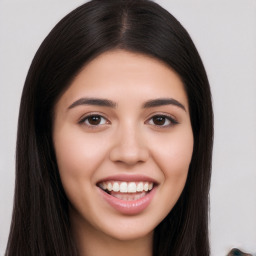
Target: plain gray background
[(224, 32)]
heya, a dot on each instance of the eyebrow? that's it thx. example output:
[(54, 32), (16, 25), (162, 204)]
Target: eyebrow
[(111, 104), (163, 102), (93, 101)]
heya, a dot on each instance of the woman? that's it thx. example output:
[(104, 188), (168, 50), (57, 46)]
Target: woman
[(115, 138)]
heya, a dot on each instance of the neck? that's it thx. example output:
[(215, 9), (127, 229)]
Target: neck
[(93, 242)]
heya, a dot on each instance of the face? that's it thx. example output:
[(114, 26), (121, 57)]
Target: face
[(123, 142)]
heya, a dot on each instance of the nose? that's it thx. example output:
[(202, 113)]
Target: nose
[(129, 147)]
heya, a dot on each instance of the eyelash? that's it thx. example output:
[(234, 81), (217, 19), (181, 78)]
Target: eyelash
[(170, 119), (84, 120)]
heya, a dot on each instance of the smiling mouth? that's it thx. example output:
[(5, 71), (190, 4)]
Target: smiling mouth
[(127, 191)]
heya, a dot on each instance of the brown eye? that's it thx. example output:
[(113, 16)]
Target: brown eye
[(94, 120), (159, 120), (162, 121)]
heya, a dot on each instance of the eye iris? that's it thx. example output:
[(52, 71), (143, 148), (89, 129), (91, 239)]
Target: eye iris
[(159, 120), (94, 120)]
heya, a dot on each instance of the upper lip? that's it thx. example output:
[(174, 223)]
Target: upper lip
[(128, 178)]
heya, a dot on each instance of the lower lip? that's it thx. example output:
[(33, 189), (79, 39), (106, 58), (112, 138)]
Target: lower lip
[(129, 207)]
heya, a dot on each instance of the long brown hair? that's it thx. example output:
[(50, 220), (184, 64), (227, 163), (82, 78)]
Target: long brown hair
[(40, 221)]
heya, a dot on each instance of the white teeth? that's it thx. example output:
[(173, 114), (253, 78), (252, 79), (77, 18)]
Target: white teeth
[(126, 187), (132, 187), (123, 187), (128, 197), (109, 187), (146, 186), (140, 187), (115, 187), (104, 186)]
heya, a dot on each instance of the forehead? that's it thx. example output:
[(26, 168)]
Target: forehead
[(120, 74)]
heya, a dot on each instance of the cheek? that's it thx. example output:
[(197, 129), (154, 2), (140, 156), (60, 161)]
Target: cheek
[(78, 156), (173, 156)]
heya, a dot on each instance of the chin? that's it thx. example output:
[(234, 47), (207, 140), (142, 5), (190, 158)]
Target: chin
[(130, 234)]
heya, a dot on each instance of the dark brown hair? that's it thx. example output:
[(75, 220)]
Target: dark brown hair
[(40, 221)]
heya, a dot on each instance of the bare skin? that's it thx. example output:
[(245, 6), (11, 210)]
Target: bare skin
[(124, 119), (89, 243)]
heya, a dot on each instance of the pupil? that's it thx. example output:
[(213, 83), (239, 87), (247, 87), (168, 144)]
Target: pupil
[(159, 120), (94, 120)]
